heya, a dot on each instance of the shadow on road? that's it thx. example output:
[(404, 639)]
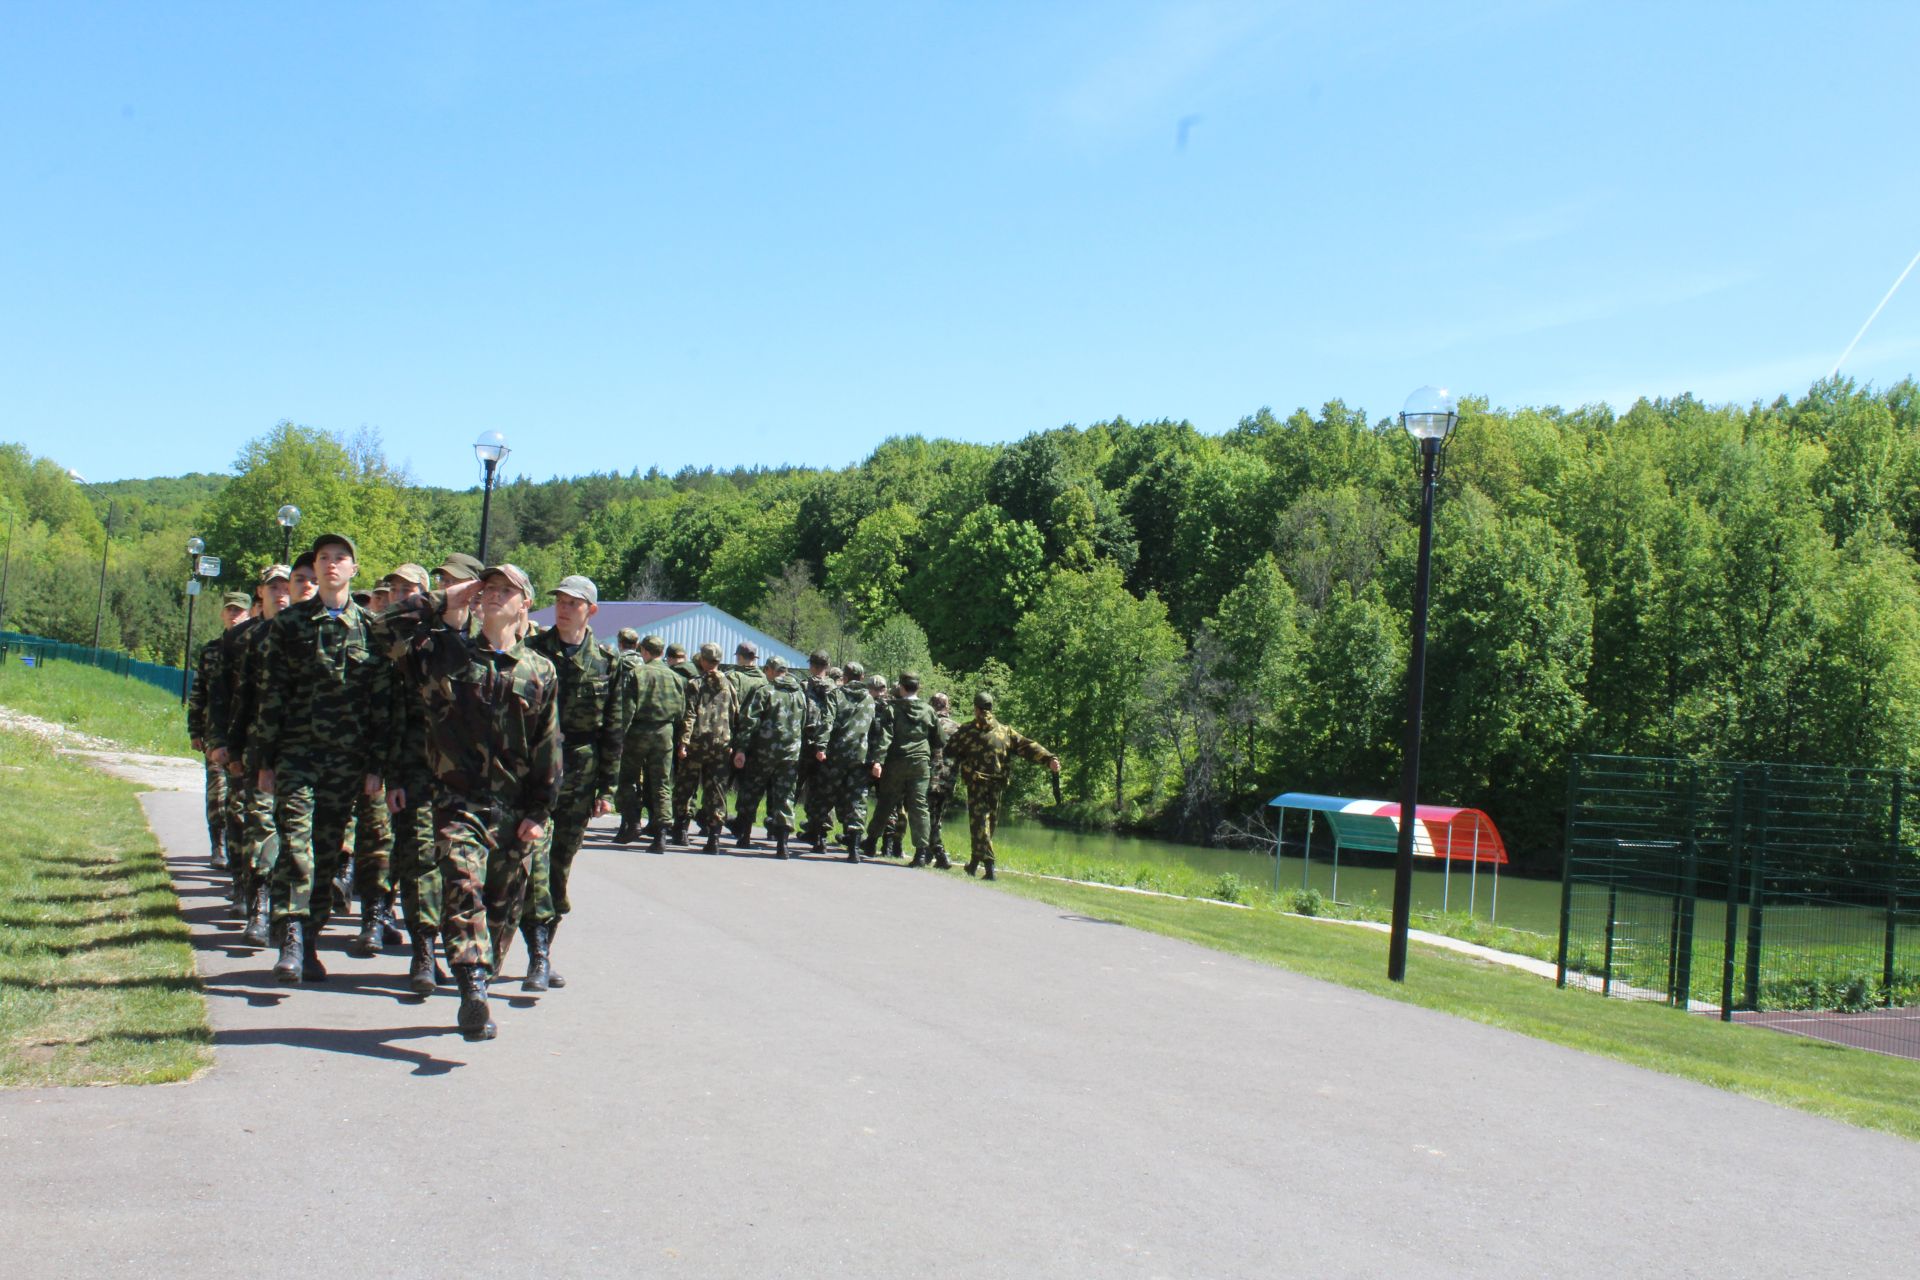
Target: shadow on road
[(368, 1042)]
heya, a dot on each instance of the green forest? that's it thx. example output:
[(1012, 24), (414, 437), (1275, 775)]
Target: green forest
[(1195, 621)]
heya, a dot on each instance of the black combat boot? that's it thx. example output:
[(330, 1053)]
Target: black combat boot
[(680, 833), (659, 842), (218, 860), (537, 974), (780, 845), (342, 887), (973, 864), (853, 844), (260, 923), (986, 865), (420, 974), (476, 1023), (287, 967), (390, 934), (865, 847), (819, 839), (940, 859), (713, 843), (744, 840), (919, 858), (367, 942), (554, 979), (311, 970), (625, 834)]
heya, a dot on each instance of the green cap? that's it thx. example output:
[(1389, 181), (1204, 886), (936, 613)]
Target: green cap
[(336, 539), (237, 600)]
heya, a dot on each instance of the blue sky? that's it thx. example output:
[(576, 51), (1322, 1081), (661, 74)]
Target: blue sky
[(632, 234)]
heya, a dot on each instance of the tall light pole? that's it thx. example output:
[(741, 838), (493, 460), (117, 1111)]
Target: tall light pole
[(288, 516), (6, 568), (1429, 417), (194, 548), (106, 540), (491, 449)]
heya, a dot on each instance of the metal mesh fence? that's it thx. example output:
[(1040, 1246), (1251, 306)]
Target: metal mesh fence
[(1764, 888), (37, 651)]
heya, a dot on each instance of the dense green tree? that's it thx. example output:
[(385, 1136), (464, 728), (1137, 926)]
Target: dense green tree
[(871, 570), (976, 584)]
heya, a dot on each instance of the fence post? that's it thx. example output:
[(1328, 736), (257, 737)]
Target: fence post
[(1566, 870), (1683, 904), (1736, 843), (1757, 878), (1893, 898)]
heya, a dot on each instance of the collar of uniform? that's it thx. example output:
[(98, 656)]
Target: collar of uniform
[(556, 649)]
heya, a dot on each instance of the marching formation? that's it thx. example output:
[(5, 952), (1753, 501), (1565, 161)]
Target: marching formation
[(467, 750)]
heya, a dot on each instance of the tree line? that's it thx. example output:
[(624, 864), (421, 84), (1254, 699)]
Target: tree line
[(1197, 622)]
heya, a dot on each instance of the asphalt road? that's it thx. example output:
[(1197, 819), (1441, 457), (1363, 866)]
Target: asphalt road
[(814, 1069)]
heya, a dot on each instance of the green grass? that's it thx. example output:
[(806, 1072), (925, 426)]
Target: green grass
[(97, 979), (1866, 1089), (130, 712)]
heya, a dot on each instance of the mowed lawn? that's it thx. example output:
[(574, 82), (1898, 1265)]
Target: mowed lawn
[(130, 713), (97, 980), (1862, 1088)]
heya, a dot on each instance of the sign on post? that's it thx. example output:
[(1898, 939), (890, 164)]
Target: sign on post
[(193, 586), (207, 566)]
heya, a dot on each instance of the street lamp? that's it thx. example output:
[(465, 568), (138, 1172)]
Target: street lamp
[(106, 539), (194, 547), (491, 449), (1429, 417), (288, 516)]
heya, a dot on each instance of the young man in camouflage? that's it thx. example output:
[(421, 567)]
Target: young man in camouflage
[(899, 756), (317, 744), (493, 746), (596, 704), (706, 748), (776, 727), (840, 751), (659, 707), (260, 843), (939, 786), (981, 749), (211, 673), (816, 790), (415, 869)]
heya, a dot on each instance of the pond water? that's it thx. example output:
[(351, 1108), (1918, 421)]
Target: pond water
[(1521, 903)]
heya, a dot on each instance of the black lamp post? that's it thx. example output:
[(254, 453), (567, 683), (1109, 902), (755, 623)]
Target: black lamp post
[(1429, 417), (194, 548), (106, 540), (6, 568), (288, 516), (491, 449)]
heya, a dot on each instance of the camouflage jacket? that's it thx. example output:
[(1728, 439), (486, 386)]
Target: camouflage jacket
[(851, 710), (206, 673), (247, 651), (596, 702), (492, 718), (777, 723), (326, 692), (940, 772), (903, 729), (744, 681), (659, 693), (981, 748), (708, 724), (686, 671)]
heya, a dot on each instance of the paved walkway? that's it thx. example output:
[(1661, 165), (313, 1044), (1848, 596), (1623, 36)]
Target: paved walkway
[(814, 1069)]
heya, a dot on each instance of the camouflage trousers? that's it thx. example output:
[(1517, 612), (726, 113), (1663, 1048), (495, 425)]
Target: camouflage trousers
[(646, 772), (415, 867), (484, 870), (260, 839), (216, 806), (848, 785), (552, 863), (774, 779), (937, 800), (372, 847), (983, 803), (903, 785), (706, 772), (311, 808), (816, 793)]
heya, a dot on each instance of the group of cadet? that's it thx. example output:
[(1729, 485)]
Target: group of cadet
[(467, 750)]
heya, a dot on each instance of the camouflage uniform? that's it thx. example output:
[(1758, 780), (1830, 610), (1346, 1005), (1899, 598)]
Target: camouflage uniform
[(321, 726), (259, 845), (596, 702), (683, 778), (816, 783), (981, 749), (905, 733), (848, 777), (372, 847), (415, 866), (706, 734), (777, 724), (493, 747), (940, 788), (209, 672), (659, 707)]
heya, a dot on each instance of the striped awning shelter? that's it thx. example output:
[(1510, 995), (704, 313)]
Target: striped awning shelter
[(1439, 831)]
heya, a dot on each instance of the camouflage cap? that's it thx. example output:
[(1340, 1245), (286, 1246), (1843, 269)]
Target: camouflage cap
[(834, 674), (676, 651), (276, 573), (877, 683), (303, 561), (653, 645), (460, 567), (628, 638), (855, 672), (983, 701), (334, 540), (710, 651), (579, 587), (775, 662), (363, 598), (409, 572), (237, 600), (513, 573), (746, 649)]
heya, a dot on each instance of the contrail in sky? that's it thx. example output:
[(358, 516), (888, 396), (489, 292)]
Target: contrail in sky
[(1875, 316)]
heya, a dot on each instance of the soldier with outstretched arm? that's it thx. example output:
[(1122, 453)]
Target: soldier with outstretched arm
[(981, 750)]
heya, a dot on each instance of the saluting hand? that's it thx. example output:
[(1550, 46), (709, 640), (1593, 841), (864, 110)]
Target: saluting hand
[(531, 831)]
